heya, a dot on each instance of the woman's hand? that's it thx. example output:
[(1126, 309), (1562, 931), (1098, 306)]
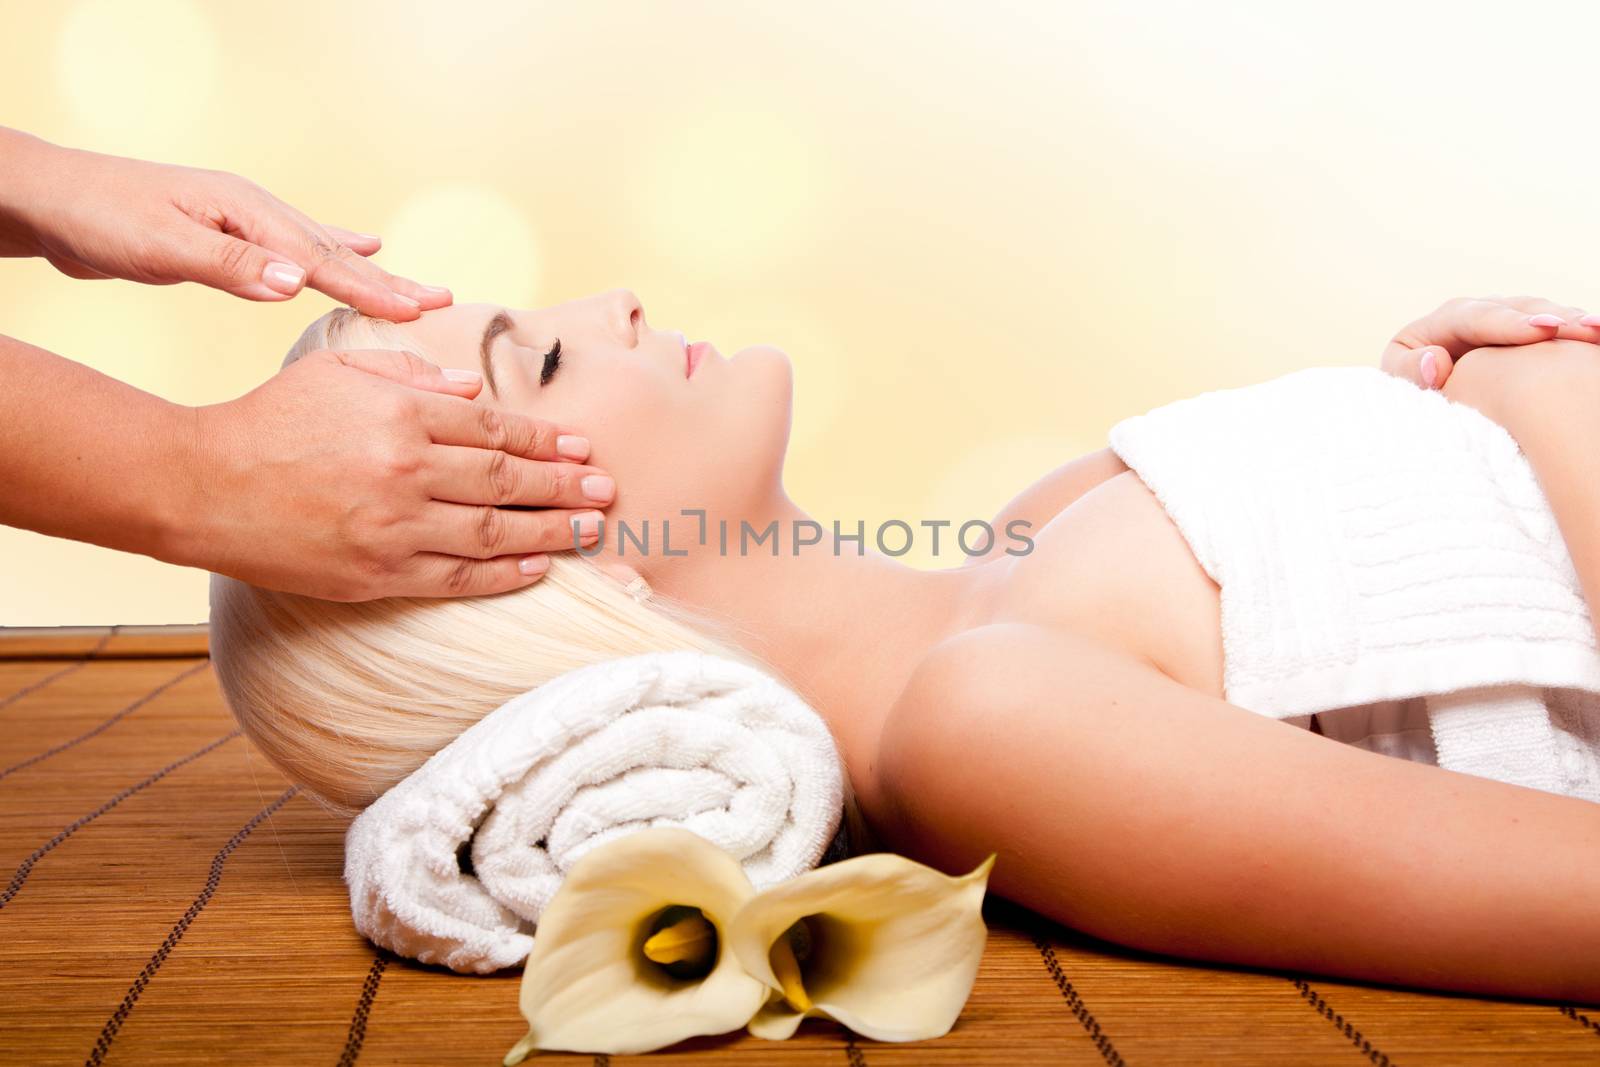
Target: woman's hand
[(352, 476), (98, 216), (1426, 351)]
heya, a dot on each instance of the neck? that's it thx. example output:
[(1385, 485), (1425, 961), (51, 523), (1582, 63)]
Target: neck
[(843, 629)]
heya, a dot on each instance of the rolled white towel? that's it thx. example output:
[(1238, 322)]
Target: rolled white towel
[(667, 738)]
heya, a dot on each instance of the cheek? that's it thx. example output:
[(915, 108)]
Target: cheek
[(642, 438)]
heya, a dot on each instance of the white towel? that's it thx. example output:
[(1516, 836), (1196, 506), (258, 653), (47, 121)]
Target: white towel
[(669, 738), (1376, 542)]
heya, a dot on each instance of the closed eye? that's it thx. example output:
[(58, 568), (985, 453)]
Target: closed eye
[(552, 361)]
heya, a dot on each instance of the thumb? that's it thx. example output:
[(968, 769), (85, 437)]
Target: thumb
[(410, 369), (1428, 366), (224, 262)]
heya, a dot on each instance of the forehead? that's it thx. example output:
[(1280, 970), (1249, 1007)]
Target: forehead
[(450, 335)]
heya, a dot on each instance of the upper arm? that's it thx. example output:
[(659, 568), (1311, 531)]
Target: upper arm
[(1132, 807), (1547, 396)]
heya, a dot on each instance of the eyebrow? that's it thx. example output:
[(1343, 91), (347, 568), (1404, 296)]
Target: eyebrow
[(498, 325)]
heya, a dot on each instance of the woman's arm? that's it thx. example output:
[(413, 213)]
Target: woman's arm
[(1547, 396), (1129, 806)]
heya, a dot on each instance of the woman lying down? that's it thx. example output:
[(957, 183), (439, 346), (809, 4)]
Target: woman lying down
[(1298, 675)]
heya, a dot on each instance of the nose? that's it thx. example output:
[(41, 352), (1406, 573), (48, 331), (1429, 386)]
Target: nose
[(628, 314)]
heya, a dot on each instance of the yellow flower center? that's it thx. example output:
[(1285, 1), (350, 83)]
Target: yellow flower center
[(682, 941)]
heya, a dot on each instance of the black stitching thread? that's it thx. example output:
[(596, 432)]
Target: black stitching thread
[(1075, 1003), (76, 665), (118, 717), (358, 1021), (1368, 1049), (1580, 1018), (602, 1059), (41, 683), (851, 1052), (108, 1034), (26, 867)]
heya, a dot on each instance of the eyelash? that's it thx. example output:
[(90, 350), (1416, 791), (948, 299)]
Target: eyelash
[(552, 360)]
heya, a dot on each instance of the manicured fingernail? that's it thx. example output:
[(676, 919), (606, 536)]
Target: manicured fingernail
[(368, 236), (531, 565), (407, 300), (1430, 373), (284, 277), (598, 487), (587, 524), (1546, 320), (1589, 320), (433, 290), (458, 374), (572, 446)]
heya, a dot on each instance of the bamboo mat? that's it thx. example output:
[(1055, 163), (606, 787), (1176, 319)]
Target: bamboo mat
[(168, 898)]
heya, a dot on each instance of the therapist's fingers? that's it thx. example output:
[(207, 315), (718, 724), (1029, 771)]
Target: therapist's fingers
[(433, 574), (232, 264), (491, 476), (482, 532), (483, 426), (407, 368), (364, 243), (338, 268)]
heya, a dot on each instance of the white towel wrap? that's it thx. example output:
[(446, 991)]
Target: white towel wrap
[(668, 738), (1376, 542)]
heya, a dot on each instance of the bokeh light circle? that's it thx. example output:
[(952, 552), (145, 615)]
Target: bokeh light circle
[(130, 72), (468, 237)]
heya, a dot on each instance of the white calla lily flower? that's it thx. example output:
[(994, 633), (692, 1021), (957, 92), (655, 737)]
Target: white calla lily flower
[(880, 943), (631, 954)]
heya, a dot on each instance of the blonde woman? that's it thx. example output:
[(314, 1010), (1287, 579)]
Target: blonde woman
[(1059, 703)]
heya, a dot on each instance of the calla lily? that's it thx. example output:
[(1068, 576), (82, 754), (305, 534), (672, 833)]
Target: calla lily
[(630, 954), (880, 943)]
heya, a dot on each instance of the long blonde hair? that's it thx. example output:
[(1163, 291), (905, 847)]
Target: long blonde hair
[(349, 698)]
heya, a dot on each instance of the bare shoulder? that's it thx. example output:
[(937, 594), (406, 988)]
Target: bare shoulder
[(1004, 662), (999, 677), (1049, 496)]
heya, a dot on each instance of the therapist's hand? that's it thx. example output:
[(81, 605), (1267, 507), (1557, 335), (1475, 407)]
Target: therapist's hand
[(1426, 351), (363, 474), (99, 216)]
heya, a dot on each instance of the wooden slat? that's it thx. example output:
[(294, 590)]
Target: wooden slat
[(102, 642), (190, 909)]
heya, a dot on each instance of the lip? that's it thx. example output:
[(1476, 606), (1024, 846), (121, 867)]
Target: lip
[(694, 354)]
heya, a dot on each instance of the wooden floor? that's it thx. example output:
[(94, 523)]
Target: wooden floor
[(174, 901)]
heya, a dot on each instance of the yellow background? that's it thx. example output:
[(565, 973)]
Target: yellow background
[(983, 231)]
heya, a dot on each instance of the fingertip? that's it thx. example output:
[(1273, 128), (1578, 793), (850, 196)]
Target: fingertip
[(532, 568), (364, 244), (428, 297), (1546, 321), (573, 447), (462, 383), (392, 306), (1443, 365), (286, 279), (259, 292)]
